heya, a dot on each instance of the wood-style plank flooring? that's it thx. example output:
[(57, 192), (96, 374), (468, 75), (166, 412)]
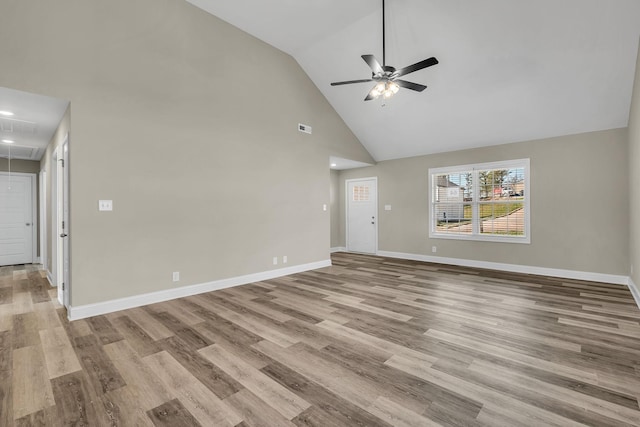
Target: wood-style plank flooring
[(370, 341)]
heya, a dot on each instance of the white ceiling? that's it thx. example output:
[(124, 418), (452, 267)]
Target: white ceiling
[(35, 119), (339, 163), (510, 70)]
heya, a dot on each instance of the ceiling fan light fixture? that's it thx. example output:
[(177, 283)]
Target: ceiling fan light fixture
[(378, 90), (386, 89)]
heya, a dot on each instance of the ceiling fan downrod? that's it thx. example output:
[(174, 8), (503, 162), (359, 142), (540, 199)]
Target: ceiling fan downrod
[(384, 39)]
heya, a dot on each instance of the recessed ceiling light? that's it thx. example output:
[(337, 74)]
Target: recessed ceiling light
[(8, 141), (333, 165), (6, 113)]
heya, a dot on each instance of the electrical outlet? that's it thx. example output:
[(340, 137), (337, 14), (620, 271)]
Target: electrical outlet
[(176, 276), (105, 205), (434, 249), (275, 260), (284, 259)]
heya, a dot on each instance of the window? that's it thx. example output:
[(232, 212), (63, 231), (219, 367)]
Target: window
[(487, 201), (361, 193)]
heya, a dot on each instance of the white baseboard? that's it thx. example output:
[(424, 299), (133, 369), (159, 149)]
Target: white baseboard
[(514, 268), (89, 310), (634, 291), (338, 249), (50, 278)]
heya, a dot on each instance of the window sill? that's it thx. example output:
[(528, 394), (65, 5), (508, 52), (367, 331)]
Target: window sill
[(479, 238)]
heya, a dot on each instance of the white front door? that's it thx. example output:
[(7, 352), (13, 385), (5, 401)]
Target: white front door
[(362, 215), (16, 219)]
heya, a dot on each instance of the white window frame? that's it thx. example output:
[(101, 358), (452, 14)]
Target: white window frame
[(475, 203)]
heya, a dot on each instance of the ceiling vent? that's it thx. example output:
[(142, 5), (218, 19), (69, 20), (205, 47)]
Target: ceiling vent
[(304, 128), (22, 153), (15, 126)]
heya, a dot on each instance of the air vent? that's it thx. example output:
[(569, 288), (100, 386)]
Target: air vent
[(15, 126), (304, 128), (23, 153)]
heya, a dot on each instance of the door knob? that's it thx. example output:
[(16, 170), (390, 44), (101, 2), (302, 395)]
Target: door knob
[(372, 222), (63, 235), (28, 224)]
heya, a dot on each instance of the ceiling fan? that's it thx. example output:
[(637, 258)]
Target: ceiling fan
[(386, 76)]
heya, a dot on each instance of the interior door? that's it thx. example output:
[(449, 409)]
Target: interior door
[(362, 215), (60, 255), (42, 226), (56, 251), (16, 219), (65, 223)]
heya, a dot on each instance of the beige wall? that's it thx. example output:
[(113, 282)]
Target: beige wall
[(579, 203), (22, 166), (634, 177), (190, 126)]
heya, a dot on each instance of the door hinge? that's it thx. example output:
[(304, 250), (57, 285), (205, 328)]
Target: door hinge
[(62, 162), (63, 225), (63, 286)]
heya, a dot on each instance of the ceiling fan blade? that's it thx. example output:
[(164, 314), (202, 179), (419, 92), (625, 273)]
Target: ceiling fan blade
[(415, 67), (373, 63), (408, 85), (348, 82)]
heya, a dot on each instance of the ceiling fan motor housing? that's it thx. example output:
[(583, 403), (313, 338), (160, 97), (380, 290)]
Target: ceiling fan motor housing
[(387, 73)]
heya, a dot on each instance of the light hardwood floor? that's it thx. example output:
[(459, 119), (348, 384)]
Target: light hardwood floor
[(368, 342)]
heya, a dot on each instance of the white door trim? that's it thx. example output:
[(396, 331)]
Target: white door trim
[(54, 219), (58, 253), (42, 232), (59, 217), (34, 218), (346, 216), (66, 242), (34, 212)]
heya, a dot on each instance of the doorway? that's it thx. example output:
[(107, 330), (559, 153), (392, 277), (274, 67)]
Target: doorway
[(42, 225), (64, 227), (17, 212), (362, 215), (60, 221)]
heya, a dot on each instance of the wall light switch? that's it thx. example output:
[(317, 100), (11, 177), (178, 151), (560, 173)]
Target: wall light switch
[(105, 205), (387, 207)]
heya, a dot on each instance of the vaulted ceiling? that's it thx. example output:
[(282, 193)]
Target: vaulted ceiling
[(510, 70)]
